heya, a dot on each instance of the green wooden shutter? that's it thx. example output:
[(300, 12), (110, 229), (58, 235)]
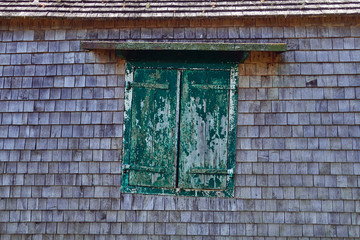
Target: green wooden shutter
[(180, 129), (152, 151), (204, 130)]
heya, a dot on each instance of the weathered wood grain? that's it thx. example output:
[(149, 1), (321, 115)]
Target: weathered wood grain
[(175, 9)]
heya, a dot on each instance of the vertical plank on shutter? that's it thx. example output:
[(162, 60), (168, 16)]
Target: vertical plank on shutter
[(204, 125), (153, 128)]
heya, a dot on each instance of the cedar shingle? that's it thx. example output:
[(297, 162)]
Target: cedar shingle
[(174, 9)]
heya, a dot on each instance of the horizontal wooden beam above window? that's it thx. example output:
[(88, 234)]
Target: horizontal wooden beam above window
[(186, 46)]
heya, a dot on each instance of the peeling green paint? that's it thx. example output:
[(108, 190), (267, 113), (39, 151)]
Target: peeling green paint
[(153, 127), (204, 128), (180, 129)]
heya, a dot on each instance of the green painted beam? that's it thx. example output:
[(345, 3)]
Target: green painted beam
[(179, 46)]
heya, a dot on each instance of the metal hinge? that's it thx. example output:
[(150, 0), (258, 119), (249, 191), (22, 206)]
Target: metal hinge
[(128, 167), (215, 87), (129, 85), (210, 171)]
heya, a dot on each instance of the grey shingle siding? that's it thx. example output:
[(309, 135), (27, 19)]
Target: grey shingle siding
[(298, 166)]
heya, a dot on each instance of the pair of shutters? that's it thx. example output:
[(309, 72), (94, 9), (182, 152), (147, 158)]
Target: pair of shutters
[(177, 128)]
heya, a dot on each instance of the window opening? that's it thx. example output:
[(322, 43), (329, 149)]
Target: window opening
[(180, 129)]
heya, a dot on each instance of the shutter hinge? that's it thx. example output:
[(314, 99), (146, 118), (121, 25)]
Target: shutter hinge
[(127, 167), (215, 87), (129, 85), (210, 171), (230, 171)]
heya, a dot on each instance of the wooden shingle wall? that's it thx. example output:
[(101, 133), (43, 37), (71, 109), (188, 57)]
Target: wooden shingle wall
[(61, 112)]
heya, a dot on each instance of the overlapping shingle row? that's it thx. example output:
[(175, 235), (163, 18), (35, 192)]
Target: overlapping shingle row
[(177, 9), (62, 114)]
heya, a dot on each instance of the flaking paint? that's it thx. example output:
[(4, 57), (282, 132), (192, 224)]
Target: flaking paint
[(205, 110), (209, 178)]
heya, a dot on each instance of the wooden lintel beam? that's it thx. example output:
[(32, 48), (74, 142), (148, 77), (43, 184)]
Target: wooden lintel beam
[(184, 46)]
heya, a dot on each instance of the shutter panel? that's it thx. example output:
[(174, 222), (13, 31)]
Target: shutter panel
[(152, 153), (204, 130)]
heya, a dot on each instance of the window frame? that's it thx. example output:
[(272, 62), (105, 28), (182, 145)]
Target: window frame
[(232, 118)]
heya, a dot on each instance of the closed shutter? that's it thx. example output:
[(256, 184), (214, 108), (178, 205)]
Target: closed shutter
[(180, 129), (204, 129), (152, 152)]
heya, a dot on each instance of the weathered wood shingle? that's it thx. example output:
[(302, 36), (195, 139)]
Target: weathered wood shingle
[(174, 9)]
